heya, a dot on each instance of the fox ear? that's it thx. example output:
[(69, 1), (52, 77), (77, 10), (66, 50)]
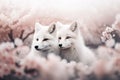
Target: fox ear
[(37, 27), (52, 28), (74, 26)]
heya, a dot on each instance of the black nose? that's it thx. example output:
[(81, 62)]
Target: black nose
[(36, 47), (60, 45)]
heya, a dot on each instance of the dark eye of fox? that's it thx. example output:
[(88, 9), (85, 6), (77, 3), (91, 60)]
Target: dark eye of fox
[(45, 39), (37, 39), (59, 38), (68, 37)]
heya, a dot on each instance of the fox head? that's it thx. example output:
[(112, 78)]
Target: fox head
[(67, 35), (44, 37)]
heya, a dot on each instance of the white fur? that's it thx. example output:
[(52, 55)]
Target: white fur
[(74, 47), (45, 47)]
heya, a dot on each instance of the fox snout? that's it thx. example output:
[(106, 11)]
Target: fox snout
[(36, 47), (60, 45)]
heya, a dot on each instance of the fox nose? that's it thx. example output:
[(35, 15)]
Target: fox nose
[(36, 47), (60, 45)]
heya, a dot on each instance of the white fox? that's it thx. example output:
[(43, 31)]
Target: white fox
[(44, 40), (72, 46)]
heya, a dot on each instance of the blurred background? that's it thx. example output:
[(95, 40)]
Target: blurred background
[(22, 14), (99, 24)]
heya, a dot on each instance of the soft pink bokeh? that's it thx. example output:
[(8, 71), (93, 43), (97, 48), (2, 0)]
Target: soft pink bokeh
[(22, 14)]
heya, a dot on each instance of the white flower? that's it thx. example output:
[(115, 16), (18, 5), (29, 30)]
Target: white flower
[(6, 45), (18, 42)]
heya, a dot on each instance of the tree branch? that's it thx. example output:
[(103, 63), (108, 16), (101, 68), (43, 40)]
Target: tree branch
[(21, 35), (28, 35), (10, 35)]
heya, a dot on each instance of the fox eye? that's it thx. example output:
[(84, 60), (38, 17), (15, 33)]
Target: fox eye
[(59, 38), (37, 39), (45, 39), (68, 37)]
